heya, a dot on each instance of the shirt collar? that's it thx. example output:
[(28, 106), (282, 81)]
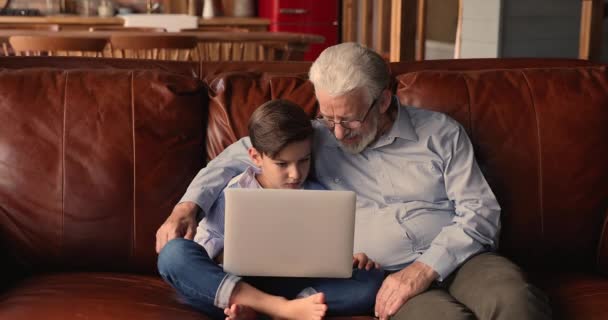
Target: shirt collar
[(403, 127), (246, 179)]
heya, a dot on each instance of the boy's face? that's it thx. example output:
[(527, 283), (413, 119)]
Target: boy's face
[(288, 170)]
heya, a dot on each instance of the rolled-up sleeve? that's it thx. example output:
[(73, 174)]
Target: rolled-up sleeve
[(211, 180), (476, 224)]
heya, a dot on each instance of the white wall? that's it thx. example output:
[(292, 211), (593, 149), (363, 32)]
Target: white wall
[(523, 28), (480, 28), (438, 50)]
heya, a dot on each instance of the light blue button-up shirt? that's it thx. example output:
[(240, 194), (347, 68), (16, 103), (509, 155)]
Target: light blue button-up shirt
[(420, 193)]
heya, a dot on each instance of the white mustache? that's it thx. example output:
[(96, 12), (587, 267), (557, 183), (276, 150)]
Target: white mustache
[(351, 135)]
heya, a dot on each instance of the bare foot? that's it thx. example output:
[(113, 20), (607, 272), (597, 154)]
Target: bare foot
[(240, 312), (309, 308)]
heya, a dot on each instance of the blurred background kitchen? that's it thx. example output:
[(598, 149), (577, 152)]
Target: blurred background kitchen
[(398, 29), (90, 7)]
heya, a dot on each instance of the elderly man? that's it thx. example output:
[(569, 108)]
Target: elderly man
[(424, 209)]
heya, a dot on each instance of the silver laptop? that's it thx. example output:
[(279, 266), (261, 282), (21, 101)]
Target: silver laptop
[(289, 233)]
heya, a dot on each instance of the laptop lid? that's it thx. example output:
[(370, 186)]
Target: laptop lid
[(289, 233)]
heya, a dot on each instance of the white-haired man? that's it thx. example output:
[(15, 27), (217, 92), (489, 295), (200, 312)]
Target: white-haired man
[(424, 209)]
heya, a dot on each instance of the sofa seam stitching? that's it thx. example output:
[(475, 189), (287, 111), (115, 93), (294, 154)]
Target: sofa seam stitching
[(469, 112), (540, 157), (63, 137), (134, 217)]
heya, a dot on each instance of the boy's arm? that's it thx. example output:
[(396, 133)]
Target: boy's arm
[(203, 191)]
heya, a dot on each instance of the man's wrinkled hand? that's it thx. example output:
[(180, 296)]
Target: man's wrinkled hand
[(180, 224), (401, 286)]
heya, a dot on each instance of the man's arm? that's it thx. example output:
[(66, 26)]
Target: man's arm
[(475, 229), (203, 191), (476, 224)]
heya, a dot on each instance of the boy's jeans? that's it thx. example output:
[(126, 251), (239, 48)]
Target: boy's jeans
[(187, 267)]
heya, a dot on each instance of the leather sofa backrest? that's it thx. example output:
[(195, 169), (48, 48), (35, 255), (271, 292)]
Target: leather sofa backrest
[(233, 96), (91, 163), (539, 135)]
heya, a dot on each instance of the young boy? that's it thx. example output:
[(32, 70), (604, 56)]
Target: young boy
[(281, 138)]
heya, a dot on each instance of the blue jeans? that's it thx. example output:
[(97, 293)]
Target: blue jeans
[(187, 267)]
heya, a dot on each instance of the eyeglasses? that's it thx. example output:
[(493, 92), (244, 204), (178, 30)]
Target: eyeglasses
[(347, 124)]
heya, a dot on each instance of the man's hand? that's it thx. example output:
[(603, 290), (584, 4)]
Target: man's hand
[(360, 260), (400, 286), (181, 223)]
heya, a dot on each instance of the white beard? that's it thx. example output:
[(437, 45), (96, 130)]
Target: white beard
[(365, 139)]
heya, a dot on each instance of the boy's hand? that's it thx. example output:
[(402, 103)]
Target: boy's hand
[(220, 258), (360, 260)]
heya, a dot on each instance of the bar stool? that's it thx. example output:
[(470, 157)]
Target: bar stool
[(27, 26), (156, 47), (51, 45), (6, 50)]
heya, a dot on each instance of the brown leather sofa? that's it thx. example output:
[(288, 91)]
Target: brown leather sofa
[(95, 153)]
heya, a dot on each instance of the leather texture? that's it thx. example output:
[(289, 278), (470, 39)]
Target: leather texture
[(576, 295), (94, 154), (540, 138), (92, 161), (61, 296)]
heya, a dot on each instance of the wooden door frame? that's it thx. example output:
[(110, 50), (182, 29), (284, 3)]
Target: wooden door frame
[(590, 40), (408, 30)]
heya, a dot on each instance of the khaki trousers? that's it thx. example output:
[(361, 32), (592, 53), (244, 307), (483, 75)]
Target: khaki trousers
[(487, 286)]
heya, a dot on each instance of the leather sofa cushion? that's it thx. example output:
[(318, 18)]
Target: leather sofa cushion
[(540, 138), (575, 295), (94, 296), (92, 162), (234, 96)]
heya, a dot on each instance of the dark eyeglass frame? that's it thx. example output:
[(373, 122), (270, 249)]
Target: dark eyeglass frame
[(347, 124)]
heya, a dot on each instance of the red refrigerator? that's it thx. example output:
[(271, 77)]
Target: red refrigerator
[(304, 16)]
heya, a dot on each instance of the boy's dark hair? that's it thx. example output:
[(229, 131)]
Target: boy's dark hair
[(277, 123)]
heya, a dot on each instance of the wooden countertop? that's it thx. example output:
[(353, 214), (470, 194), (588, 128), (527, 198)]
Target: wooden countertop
[(84, 20), (303, 38), (67, 19), (220, 21)]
